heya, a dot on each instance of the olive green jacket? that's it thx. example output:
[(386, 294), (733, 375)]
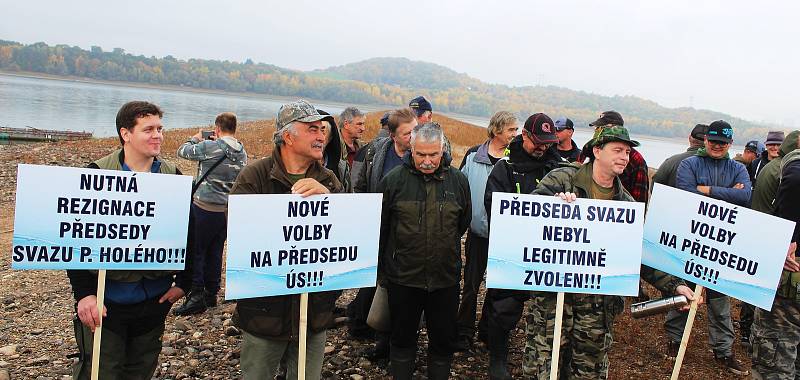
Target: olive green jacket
[(578, 179), (423, 219)]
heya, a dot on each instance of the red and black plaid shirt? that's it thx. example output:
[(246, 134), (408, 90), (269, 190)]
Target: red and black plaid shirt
[(635, 177)]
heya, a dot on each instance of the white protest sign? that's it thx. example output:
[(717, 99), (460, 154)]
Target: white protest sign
[(80, 218), (543, 243), (285, 244), (728, 248)]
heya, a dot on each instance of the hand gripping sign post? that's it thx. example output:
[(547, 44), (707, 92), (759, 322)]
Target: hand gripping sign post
[(285, 244), (542, 243), (78, 218), (717, 245)]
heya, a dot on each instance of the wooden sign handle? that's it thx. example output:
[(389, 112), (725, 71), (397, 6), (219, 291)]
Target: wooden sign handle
[(301, 351), (687, 330), (101, 295), (557, 336)]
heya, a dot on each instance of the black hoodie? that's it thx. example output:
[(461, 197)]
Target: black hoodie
[(332, 155), (519, 172)]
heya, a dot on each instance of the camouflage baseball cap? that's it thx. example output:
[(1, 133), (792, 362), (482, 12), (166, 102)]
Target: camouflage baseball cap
[(613, 133), (300, 110)]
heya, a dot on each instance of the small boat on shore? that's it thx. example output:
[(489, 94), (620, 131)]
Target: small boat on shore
[(35, 134)]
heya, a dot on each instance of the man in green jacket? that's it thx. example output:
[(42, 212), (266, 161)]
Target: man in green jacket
[(588, 318), (776, 333), (426, 210), (271, 324), (136, 302)]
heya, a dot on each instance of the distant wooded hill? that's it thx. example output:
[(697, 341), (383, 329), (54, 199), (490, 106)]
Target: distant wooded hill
[(380, 81)]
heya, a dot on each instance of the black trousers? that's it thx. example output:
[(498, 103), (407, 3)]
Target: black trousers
[(358, 311), (210, 232), (477, 252), (406, 305)]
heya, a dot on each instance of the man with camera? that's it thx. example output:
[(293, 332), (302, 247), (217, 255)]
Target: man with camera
[(220, 158)]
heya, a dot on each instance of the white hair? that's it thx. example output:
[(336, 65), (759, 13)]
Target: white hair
[(277, 137), (428, 133)]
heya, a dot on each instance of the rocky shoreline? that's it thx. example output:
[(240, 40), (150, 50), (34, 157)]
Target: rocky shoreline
[(37, 340)]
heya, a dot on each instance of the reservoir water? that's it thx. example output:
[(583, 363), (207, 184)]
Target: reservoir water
[(87, 106)]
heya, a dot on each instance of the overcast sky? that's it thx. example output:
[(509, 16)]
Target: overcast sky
[(739, 57)]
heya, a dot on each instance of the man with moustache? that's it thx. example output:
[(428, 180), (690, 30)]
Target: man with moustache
[(371, 164), (426, 209), (271, 324)]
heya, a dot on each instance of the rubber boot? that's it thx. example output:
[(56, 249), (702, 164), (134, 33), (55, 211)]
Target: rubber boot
[(195, 303), (439, 367), (498, 353), (210, 298), (402, 362)]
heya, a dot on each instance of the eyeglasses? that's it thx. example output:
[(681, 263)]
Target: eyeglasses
[(530, 137)]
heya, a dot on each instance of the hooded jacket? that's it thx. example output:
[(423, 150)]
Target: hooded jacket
[(519, 172), (218, 183), (368, 165), (759, 164), (422, 221), (572, 154), (721, 175), (476, 166), (277, 317), (332, 156), (787, 206), (766, 185)]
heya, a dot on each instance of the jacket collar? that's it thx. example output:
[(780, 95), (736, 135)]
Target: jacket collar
[(279, 173), (482, 154), (583, 180), (438, 175)]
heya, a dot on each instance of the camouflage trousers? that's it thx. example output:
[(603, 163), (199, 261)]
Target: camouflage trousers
[(776, 340), (585, 335)]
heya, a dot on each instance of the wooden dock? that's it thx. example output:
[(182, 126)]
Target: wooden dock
[(34, 134)]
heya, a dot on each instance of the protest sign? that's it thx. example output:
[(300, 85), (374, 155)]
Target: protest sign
[(80, 218), (728, 248), (285, 244), (543, 243)]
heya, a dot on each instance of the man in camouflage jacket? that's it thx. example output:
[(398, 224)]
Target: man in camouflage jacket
[(588, 318)]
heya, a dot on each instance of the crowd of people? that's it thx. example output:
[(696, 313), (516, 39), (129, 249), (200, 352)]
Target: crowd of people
[(428, 206)]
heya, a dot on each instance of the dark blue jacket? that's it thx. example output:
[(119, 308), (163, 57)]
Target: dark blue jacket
[(721, 175)]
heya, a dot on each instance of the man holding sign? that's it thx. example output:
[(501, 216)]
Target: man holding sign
[(136, 301), (531, 156), (776, 333), (426, 210), (588, 318), (271, 324), (711, 172)]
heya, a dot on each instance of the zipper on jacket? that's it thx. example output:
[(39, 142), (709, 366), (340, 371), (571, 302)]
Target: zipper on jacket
[(441, 217)]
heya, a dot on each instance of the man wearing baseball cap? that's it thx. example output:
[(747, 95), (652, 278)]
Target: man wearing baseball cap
[(566, 145), (271, 324), (531, 156), (712, 173), (586, 332), (773, 143), (422, 107), (635, 178), (752, 150)]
